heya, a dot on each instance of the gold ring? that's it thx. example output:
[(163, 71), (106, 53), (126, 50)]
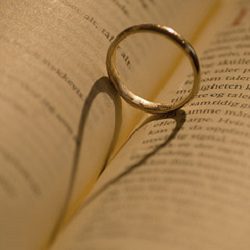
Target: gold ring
[(135, 100)]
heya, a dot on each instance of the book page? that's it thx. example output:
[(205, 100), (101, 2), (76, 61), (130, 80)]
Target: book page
[(52, 71), (46, 75), (182, 180)]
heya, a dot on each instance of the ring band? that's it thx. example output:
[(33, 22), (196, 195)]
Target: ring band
[(135, 100)]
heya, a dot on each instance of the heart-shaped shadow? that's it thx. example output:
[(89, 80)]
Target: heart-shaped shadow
[(103, 85)]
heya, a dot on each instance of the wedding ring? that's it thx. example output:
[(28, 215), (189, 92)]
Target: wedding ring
[(135, 100)]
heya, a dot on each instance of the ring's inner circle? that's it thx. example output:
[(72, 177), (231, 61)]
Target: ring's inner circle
[(147, 62)]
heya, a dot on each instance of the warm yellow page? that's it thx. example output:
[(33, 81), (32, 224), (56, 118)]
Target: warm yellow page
[(182, 180), (52, 76), (47, 72)]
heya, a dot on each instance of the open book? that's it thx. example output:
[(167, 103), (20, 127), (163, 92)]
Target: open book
[(81, 169)]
